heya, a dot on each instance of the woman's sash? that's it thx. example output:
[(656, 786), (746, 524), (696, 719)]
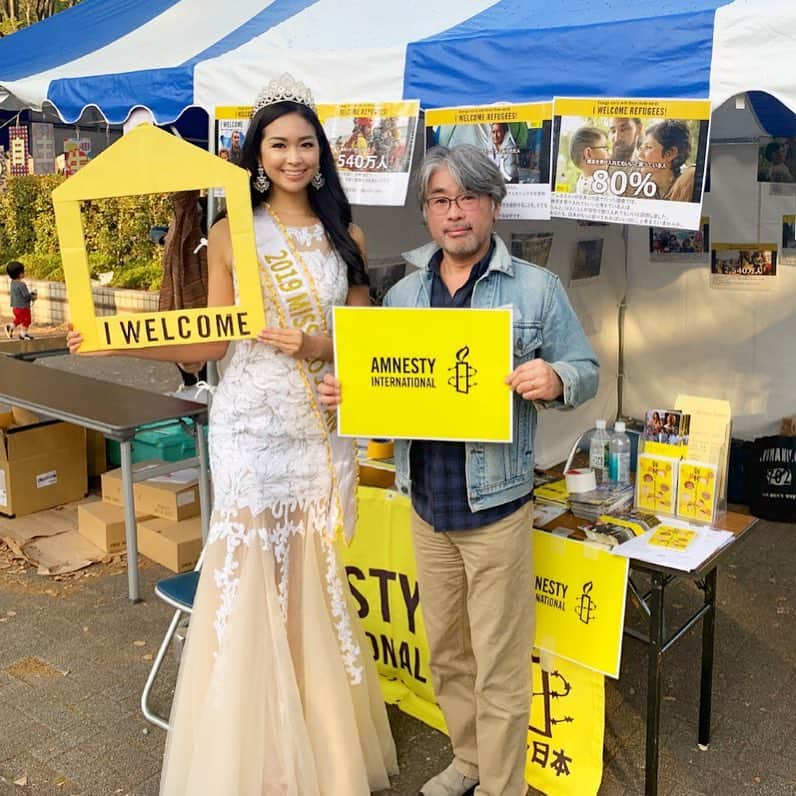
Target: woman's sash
[(295, 299)]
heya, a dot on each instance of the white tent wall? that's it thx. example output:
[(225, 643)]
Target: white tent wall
[(682, 336)]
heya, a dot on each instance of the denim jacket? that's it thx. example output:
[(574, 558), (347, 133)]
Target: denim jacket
[(545, 326)]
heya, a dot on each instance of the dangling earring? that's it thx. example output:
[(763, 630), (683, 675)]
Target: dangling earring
[(261, 182), (318, 181)]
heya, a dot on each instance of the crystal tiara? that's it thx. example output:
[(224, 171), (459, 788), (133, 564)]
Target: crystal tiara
[(283, 88)]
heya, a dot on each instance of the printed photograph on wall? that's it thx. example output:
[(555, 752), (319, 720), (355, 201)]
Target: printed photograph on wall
[(533, 247), (744, 266), (681, 245), (588, 260), (788, 251), (776, 160)]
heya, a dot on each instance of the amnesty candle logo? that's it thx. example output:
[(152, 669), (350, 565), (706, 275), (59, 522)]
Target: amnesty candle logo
[(424, 373), (463, 372)]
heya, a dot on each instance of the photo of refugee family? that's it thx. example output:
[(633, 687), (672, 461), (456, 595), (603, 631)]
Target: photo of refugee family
[(667, 425), (744, 262), (371, 143), (776, 160), (677, 242), (229, 142), (521, 152), (631, 157)]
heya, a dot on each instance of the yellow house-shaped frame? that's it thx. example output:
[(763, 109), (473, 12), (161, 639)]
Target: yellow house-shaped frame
[(149, 160)]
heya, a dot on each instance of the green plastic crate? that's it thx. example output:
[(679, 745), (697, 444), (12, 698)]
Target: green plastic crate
[(169, 441)]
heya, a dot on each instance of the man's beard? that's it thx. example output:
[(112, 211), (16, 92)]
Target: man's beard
[(623, 151)]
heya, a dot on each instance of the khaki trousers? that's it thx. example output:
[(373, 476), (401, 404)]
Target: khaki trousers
[(476, 593)]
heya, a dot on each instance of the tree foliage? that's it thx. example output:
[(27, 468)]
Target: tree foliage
[(16, 14), (116, 232)]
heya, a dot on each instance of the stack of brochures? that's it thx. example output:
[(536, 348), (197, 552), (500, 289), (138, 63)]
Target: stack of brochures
[(551, 491), (611, 530), (607, 498)]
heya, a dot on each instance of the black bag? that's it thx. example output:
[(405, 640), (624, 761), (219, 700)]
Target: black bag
[(772, 478)]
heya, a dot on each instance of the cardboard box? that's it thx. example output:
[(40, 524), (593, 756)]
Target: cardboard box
[(42, 463), (96, 459), (112, 481), (103, 525), (174, 545), (169, 497)]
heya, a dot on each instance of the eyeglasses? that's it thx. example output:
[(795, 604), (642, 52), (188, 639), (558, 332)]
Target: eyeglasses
[(602, 146), (440, 205)]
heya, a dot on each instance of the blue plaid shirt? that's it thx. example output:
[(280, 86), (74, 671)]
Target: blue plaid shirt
[(439, 469)]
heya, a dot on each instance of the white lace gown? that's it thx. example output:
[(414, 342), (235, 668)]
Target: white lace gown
[(276, 695)]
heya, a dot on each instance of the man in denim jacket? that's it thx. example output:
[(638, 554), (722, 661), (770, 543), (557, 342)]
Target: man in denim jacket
[(472, 502)]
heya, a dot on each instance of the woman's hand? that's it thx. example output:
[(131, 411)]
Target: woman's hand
[(329, 391), (290, 341), (74, 340)]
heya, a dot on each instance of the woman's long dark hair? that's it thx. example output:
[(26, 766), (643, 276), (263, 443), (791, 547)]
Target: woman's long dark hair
[(672, 134), (329, 202)]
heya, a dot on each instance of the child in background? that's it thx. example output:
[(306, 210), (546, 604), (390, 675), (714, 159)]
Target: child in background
[(21, 299)]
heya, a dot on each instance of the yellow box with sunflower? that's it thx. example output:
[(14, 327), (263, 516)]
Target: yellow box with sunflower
[(697, 491), (656, 483)]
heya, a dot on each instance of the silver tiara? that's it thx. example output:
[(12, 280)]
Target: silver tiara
[(283, 88)]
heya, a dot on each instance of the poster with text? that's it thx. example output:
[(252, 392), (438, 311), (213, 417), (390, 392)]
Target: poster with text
[(18, 150), (744, 266), (681, 245), (630, 161), (788, 251), (232, 124), (42, 147), (516, 137), (372, 144)]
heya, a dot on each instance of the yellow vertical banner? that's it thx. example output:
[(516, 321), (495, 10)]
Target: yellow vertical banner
[(565, 732)]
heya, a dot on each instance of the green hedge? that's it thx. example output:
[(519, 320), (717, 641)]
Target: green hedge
[(116, 232)]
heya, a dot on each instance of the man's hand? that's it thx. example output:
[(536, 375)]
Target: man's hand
[(536, 381), (329, 391)]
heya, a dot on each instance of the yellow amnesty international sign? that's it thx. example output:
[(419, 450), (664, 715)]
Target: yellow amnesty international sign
[(580, 601), (424, 373), (148, 160)]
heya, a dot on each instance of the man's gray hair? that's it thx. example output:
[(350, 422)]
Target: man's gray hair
[(468, 165)]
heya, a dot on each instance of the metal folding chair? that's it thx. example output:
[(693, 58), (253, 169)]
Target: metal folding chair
[(179, 592)]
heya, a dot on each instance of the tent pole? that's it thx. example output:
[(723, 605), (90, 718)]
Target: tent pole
[(212, 367), (620, 365)]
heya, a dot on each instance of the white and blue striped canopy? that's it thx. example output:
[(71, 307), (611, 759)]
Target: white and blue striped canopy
[(168, 55)]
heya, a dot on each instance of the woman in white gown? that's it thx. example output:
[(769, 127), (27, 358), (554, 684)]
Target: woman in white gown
[(276, 695)]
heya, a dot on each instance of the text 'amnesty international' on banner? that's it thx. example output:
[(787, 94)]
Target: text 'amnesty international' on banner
[(634, 161), (424, 373), (580, 607), (372, 144), (516, 137)]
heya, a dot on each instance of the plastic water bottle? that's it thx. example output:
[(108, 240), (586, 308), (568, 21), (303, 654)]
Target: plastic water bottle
[(619, 455), (598, 452)]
